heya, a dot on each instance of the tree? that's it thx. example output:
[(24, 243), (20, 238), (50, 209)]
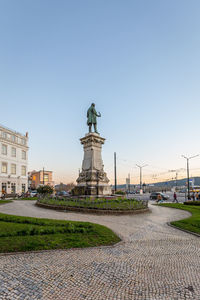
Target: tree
[(45, 190)]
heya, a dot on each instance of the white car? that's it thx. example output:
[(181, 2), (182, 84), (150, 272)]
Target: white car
[(33, 193)]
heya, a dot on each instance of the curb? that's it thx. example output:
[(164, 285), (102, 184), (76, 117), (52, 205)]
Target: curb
[(62, 249), (92, 210), (184, 230)]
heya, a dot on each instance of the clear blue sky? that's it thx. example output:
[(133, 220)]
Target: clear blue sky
[(139, 61)]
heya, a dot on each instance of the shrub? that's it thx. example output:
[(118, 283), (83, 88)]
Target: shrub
[(120, 193), (45, 190), (192, 203)]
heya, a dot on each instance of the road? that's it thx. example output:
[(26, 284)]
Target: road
[(146, 196)]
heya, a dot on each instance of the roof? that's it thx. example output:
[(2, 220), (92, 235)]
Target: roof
[(9, 129)]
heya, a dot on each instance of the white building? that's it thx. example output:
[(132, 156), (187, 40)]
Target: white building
[(13, 161)]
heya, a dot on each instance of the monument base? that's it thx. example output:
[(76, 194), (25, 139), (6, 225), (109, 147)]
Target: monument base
[(92, 179), (92, 190)]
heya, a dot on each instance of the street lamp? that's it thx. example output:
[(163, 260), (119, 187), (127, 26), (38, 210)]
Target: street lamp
[(176, 178), (188, 177), (140, 167), (115, 171)]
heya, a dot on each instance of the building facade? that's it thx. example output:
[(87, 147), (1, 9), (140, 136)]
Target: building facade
[(13, 161), (42, 177)]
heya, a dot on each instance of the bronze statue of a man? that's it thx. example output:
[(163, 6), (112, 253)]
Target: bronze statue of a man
[(91, 115)]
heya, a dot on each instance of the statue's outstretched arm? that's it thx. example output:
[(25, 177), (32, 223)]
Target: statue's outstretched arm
[(97, 114)]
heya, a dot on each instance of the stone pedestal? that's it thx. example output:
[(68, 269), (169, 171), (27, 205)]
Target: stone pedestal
[(92, 179)]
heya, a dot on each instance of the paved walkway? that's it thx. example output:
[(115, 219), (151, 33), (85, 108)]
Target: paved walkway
[(154, 261)]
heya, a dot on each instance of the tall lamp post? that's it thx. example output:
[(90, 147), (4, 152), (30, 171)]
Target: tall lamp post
[(43, 175), (140, 167), (176, 178), (188, 175), (115, 171)]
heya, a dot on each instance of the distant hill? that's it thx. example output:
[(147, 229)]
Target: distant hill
[(171, 183), (180, 182)]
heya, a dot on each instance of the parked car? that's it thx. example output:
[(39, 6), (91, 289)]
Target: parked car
[(33, 193), (62, 194), (154, 196), (183, 191)]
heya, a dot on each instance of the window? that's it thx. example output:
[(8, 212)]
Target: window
[(4, 135), (13, 188), (13, 152), (23, 171), (13, 169), (46, 177), (4, 149), (23, 142), (23, 154), (23, 187), (13, 138), (4, 188), (4, 167)]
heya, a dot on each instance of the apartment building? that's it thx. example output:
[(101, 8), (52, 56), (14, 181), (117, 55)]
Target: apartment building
[(13, 161), (42, 177)]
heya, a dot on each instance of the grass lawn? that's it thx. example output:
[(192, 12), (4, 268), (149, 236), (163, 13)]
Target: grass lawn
[(5, 201), (27, 198), (26, 234), (99, 203), (192, 223)]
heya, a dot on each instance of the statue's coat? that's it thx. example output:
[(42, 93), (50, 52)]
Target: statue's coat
[(91, 115)]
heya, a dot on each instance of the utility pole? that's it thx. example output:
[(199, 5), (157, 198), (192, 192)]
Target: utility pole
[(176, 180), (176, 177), (140, 167), (115, 171), (188, 175), (128, 181), (43, 175)]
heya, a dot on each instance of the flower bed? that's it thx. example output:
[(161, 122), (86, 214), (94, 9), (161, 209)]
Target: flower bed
[(103, 205)]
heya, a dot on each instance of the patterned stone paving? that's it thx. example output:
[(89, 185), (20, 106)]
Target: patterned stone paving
[(152, 262)]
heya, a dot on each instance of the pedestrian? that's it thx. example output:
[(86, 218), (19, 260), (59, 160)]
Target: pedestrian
[(3, 194), (196, 196), (159, 198), (175, 197), (193, 197)]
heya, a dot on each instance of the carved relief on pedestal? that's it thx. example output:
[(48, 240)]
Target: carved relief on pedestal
[(92, 140), (92, 176), (92, 173)]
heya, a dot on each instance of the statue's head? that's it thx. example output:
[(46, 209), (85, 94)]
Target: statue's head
[(93, 104)]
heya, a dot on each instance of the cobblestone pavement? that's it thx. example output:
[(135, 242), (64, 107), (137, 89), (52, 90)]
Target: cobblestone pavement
[(153, 261)]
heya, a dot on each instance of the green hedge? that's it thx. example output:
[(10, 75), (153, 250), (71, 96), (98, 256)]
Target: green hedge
[(192, 203), (116, 204), (120, 193)]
